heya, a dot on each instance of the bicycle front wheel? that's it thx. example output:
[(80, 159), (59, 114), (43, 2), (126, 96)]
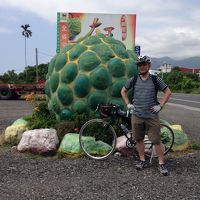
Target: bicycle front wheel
[(97, 139), (167, 139)]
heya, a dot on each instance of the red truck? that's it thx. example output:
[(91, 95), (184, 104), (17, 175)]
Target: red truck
[(14, 91)]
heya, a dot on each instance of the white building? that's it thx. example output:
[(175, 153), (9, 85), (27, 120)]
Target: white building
[(165, 68)]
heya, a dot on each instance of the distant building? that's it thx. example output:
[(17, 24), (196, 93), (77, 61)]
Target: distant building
[(190, 70), (165, 68)]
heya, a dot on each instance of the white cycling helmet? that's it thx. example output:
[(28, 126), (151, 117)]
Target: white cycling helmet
[(143, 59)]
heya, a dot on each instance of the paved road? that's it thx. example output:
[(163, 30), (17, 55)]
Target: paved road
[(12, 110), (192, 100), (184, 109)]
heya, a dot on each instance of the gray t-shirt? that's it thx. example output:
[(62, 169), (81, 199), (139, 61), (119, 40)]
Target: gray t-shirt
[(144, 95)]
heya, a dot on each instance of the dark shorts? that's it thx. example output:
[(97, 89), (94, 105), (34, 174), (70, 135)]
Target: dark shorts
[(146, 126)]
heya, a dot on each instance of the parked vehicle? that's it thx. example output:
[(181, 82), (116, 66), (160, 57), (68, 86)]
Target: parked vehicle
[(14, 91)]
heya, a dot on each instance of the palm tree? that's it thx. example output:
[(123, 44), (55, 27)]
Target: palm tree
[(26, 33)]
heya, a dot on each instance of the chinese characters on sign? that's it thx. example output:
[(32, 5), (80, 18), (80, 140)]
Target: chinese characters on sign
[(63, 34)]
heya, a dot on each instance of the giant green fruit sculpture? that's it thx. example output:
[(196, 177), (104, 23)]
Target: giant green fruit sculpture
[(86, 73)]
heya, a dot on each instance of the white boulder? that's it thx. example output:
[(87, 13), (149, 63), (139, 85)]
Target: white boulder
[(39, 141)]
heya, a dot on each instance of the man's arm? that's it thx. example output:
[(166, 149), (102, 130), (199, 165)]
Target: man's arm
[(167, 93), (157, 108), (125, 95)]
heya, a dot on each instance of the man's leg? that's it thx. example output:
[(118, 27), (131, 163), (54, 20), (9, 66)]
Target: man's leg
[(139, 130), (140, 149), (154, 137), (141, 163), (159, 153)]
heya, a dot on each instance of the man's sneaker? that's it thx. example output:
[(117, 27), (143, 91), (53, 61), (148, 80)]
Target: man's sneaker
[(141, 164), (163, 170)]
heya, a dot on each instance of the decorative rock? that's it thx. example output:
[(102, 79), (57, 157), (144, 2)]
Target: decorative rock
[(70, 146), (40, 141), (14, 133), (20, 121), (121, 147), (181, 141)]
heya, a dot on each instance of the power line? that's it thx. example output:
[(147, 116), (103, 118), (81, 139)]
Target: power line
[(40, 52)]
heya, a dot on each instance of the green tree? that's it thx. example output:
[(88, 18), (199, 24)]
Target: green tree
[(26, 33), (22, 77), (42, 71), (9, 77), (182, 82), (176, 68), (12, 77), (31, 72)]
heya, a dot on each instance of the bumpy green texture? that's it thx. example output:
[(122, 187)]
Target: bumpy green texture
[(74, 26), (86, 73)]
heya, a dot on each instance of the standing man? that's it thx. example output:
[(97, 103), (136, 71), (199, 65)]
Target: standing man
[(145, 108)]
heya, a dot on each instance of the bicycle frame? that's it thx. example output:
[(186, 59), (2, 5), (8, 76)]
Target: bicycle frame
[(115, 118)]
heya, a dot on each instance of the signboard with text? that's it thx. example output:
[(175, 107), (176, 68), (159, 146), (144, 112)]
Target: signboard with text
[(72, 26), (137, 50)]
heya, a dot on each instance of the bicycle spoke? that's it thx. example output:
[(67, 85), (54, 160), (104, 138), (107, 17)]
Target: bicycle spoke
[(97, 139)]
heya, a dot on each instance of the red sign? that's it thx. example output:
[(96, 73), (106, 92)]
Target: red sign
[(63, 34)]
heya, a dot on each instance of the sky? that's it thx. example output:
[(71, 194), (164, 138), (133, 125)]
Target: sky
[(163, 28)]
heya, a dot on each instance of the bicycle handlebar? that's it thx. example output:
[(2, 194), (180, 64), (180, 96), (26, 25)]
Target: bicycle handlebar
[(108, 108)]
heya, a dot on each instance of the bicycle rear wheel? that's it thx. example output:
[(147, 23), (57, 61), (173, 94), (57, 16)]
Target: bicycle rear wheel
[(97, 139), (167, 138)]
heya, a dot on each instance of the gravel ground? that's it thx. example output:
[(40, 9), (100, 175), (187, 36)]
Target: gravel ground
[(25, 176), (31, 177)]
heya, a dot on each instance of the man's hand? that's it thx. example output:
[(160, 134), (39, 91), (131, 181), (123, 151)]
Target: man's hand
[(156, 109), (130, 106)]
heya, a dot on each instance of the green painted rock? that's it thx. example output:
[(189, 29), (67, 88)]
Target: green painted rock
[(181, 141), (20, 121), (86, 73), (70, 146)]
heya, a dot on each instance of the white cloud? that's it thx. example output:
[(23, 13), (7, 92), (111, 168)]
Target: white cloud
[(174, 42), (164, 28), (4, 30)]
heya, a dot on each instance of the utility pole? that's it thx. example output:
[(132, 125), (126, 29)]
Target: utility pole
[(36, 56)]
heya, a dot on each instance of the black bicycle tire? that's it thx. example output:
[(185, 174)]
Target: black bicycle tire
[(81, 143), (171, 144), (172, 134)]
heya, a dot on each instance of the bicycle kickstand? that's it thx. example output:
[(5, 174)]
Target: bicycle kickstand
[(151, 156)]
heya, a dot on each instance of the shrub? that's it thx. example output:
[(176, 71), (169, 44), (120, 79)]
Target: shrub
[(80, 119), (65, 127), (41, 117)]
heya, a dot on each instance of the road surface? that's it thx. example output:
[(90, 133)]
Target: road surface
[(184, 109)]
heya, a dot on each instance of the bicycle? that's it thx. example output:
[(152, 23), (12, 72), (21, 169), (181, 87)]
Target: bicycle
[(98, 137)]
